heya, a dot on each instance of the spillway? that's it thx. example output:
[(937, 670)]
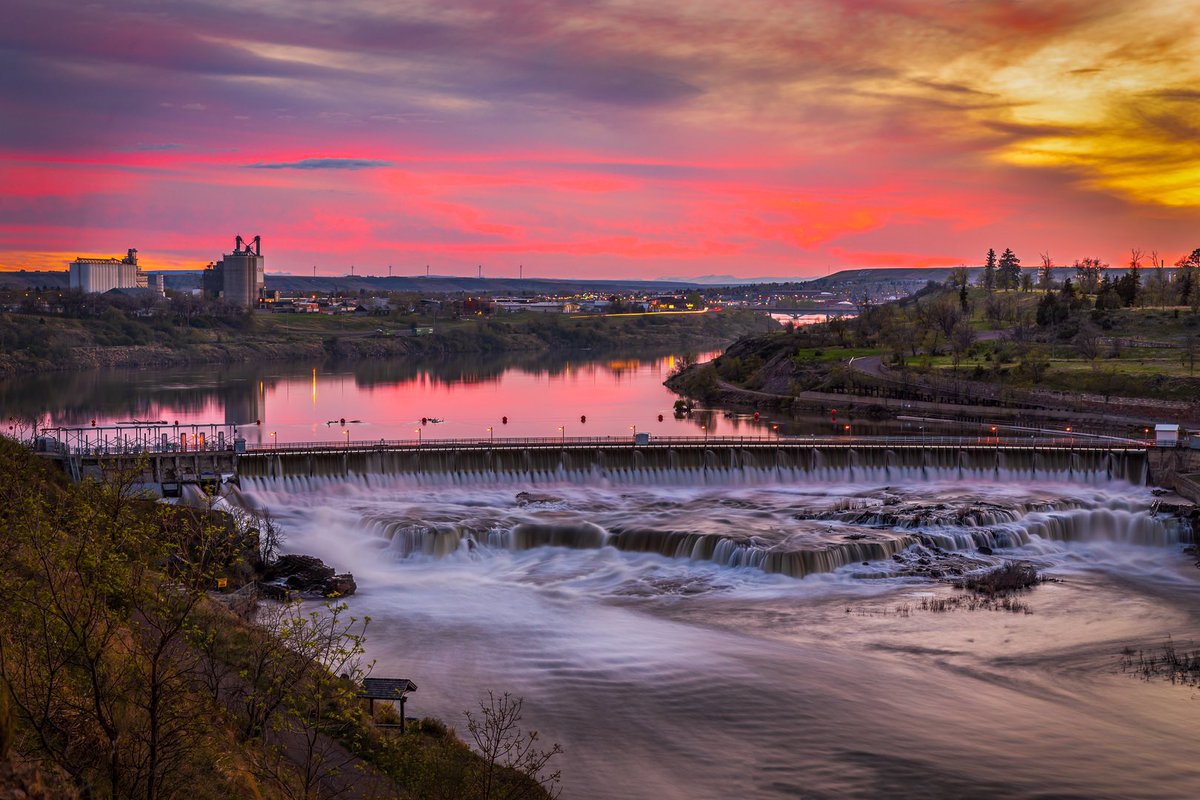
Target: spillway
[(716, 464)]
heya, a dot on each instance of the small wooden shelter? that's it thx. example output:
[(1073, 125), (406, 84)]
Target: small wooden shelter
[(394, 689)]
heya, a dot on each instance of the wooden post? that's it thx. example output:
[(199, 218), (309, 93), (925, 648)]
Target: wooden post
[(402, 713)]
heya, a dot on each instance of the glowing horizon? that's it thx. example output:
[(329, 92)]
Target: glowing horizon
[(608, 140)]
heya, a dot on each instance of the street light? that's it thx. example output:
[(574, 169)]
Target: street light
[(634, 429), (705, 429), (273, 440), (776, 429), (491, 434), (346, 433), (562, 431), (417, 431)]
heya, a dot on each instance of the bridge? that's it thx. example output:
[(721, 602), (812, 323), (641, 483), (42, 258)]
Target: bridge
[(165, 464), (827, 311)]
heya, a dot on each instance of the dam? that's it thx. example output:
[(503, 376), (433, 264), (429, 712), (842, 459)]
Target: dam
[(170, 460), (714, 460)]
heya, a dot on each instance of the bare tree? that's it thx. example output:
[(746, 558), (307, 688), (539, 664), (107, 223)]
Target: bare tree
[(1046, 273), (514, 766), (1088, 272), (1087, 340), (1160, 290), (962, 338)]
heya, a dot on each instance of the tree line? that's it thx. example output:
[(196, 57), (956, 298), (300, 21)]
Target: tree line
[(1146, 280)]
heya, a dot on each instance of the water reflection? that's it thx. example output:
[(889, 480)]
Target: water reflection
[(456, 396), (459, 396)]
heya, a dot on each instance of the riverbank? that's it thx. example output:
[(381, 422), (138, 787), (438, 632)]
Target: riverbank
[(129, 677), (789, 372), (40, 344)]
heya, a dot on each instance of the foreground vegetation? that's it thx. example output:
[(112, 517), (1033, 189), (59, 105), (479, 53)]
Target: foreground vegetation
[(123, 678)]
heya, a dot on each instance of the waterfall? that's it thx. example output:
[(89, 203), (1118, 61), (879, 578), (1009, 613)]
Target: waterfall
[(713, 465)]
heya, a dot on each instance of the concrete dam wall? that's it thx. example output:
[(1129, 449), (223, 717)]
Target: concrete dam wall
[(634, 465)]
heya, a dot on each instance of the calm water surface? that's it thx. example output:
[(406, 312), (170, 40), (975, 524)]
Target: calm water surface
[(381, 399), (585, 394)]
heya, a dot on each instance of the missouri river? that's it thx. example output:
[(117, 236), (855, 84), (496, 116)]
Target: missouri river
[(743, 634), (651, 635)]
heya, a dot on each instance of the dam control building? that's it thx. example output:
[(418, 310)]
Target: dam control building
[(92, 275), (239, 276)]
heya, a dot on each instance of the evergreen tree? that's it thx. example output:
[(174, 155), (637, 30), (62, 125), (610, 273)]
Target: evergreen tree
[(1008, 272), (1107, 297), (1186, 283), (1067, 292), (1051, 309), (989, 270), (1128, 286)]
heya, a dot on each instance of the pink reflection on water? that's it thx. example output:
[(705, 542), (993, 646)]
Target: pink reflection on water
[(610, 397)]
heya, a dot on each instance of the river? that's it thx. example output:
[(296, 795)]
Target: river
[(531, 394), (744, 635), (671, 671)]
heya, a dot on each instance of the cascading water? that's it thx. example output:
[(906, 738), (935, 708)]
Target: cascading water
[(776, 527), (657, 616), (718, 465)]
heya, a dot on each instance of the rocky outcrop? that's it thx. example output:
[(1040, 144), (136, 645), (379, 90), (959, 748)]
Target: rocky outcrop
[(304, 575), (536, 498)]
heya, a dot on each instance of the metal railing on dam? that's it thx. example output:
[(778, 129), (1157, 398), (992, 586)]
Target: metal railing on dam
[(625, 460)]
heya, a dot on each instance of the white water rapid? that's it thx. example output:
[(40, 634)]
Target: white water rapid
[(687, 639)]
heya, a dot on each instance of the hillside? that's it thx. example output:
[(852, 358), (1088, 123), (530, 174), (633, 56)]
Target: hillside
[(122, 669), (35, 343), (1011, 350)]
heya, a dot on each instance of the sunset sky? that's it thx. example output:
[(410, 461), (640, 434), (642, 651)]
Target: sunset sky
[(598, 139)]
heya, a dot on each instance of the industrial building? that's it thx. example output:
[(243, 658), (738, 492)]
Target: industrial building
[(239, 276), (93, 275)]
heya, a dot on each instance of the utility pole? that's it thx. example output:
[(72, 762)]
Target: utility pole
[(521, 271), (480, 272), (314, 270)]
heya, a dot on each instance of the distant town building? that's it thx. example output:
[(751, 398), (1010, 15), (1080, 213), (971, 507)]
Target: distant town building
[(238, 276), (92, 275), (518, 304)]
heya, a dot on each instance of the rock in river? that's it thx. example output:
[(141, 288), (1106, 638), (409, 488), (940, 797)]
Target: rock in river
[(305, 575)]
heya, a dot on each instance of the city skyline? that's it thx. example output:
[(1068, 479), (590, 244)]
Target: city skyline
[(567, 140)]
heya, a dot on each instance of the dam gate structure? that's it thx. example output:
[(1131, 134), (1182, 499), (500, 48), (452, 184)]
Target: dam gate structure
[(690, 460), (167, 460)]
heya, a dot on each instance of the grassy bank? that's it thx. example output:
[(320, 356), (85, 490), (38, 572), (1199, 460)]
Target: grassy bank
[(31, 343)]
